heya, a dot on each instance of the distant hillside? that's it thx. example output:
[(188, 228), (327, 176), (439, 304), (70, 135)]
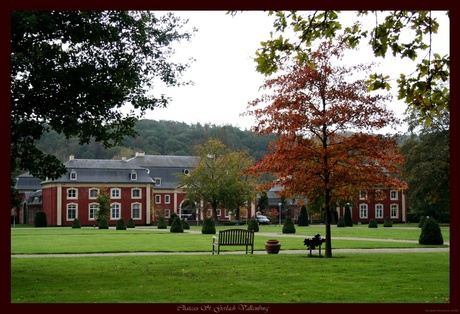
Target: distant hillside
[(159, 138)]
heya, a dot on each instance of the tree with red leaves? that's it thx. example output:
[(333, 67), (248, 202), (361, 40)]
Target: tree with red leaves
[(324, 122)]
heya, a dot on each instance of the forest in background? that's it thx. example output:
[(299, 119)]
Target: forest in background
[(158, 138)]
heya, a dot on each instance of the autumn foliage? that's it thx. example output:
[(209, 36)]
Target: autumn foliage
[(327, 147)]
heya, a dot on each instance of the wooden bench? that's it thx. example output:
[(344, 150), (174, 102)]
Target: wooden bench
[(234, 237)]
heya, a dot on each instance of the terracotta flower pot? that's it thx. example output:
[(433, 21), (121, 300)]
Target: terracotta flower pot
[(272, 246)]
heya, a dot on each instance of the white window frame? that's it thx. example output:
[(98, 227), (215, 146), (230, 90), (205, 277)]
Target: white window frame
[(115, 211), (167, 213), (136, 189), (73, 175), (74, 209), (115, 193), (363, 210), (157, 199), (133, 175), (363, 195), (157, 181), (92, 210), (379, 210), (72, 197), (167, 199), (91, 190), (394, 208), (133, 208), (395, 197)]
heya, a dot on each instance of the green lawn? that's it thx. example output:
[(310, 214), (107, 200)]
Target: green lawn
[(236, 278)]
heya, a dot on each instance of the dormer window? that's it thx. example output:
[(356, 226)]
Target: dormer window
[(73, 175), (157, 181), (133, 175)]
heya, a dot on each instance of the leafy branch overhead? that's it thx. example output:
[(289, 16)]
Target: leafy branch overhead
[(426, 89)]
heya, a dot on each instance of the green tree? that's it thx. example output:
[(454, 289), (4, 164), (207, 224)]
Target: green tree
[(74, 71), (219, 177), (303, 217), (424, 89), (208, 226), (121, 225), (103, 201), (288, 225), (431, 233), (347, 216), (253, 225), (176, 225), (427, 167)]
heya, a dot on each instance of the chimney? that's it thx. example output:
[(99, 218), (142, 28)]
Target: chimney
[(71, 157), (139, 154)]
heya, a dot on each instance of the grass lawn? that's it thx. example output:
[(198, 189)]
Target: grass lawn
[(237, 278)]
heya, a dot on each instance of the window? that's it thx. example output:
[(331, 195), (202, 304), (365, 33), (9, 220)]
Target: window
[(167, 213), (167, 199), (71, 211), (227, 213), (393, 195), (136, 211), (115, 211), (394, 211), (157, 181), (362, 195), (72, 193), (379, 195), (218, 213), (363, 211), (378, 211), (133, 175), (115, 193), (92, 211), (157, 199), (93, 193), (73, 175), (136, 193)]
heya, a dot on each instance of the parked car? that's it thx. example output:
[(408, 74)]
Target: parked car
[(263, 220)]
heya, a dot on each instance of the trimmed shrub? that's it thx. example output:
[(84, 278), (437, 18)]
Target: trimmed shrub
[(103, 224), (162, 223), (208, 226), (421, 221), (171, 219), (176, 225), (373, 224), (185, 224), (76, 223), (253, 225), (120, 224), (288, 226), (341, 222), (40, 219), (347, 216), (303, 217), (431, 233), (130, 223), (387, 222)]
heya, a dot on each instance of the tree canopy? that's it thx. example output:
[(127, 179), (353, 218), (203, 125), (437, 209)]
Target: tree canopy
[(73, 71), (425, 89), (311, 108)]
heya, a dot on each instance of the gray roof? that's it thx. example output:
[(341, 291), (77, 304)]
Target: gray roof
[(103, 171), (161, 161), (26, 182)]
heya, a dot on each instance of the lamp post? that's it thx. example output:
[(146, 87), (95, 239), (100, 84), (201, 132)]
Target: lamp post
[(279, 204)]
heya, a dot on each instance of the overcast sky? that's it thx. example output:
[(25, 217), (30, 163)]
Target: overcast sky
[(224, 73)]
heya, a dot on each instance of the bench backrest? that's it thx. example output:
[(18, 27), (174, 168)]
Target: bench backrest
[(236, 236)]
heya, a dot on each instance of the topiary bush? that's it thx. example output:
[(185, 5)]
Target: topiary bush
[(185, 224), (171, 219), (421, 221), (103, 224), (373, 224), (341, 222), (303, 217), (347, 216), (130, 223), (208, 226), (288, 226), (387, 222), (253, 225), (176, 225), (162, 223), (40, 219), (431, 233), (120, 224), (76, 223)]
